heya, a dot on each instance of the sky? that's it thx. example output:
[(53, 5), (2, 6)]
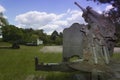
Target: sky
[(48, 15)]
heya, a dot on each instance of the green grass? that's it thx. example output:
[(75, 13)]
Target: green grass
[(18, 64), (116, 57), (4, 44)]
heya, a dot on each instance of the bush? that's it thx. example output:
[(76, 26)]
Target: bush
[(15, 46)]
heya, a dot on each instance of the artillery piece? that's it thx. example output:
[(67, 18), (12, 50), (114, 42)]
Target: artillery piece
[(93, 45)]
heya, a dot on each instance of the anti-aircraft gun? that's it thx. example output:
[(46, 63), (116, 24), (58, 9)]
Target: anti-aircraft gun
[(100, 37), (101, 26)]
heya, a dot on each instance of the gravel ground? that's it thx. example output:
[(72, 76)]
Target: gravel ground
[(52, 49), (117, 50), (59, 49)]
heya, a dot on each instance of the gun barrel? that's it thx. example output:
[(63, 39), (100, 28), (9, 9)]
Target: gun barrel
[(80, 6)]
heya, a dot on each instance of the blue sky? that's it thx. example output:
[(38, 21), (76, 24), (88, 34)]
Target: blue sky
[(45, 14)]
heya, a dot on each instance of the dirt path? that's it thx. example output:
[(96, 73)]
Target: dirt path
[(55, 49), (52, 49), (116, 50)]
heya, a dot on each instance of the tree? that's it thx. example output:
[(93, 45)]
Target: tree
[(54, 35), (56, 38), (61, 35), (11, 33), (58, 41), (43, 36)]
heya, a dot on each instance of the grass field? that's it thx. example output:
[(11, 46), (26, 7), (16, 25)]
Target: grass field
[(18, 64)]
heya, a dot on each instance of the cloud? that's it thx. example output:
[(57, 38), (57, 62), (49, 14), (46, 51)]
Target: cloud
[(49, 21), (108, 7), (98, 9), (75, 16), (2, 9)]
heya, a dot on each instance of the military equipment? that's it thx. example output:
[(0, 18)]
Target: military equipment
[(92, 44), (84, 10), (102, 28)]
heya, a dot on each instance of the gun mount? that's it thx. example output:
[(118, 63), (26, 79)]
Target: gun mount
[(93, 45)]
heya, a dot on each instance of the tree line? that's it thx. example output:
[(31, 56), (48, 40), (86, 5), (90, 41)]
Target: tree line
[(11, 33)]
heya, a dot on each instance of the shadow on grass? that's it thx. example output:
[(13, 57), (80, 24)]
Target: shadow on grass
[(64, 76), (5, 47)]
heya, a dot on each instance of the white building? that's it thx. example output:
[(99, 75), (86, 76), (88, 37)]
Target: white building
[(39, 42)]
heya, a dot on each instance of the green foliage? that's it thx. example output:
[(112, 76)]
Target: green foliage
[(29, 35), (56, 38), (58, 41), (11, 33), (45, 38), (54, 35)]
